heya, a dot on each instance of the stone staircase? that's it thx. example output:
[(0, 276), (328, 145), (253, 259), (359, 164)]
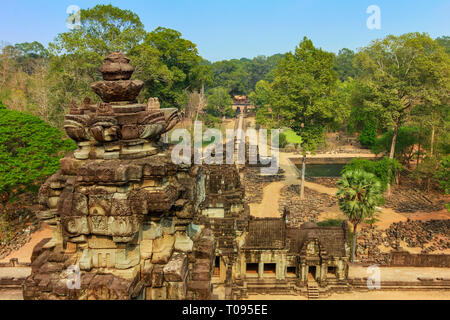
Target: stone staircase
[(313, 290), (13, 277)]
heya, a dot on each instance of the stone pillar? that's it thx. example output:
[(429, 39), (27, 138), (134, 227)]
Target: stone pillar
[(223, 270), (261, 270), (323, 272), (340, 270), (243, 266), (281, 268), (304, 273)]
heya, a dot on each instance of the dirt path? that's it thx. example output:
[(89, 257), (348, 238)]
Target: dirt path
[(268, 208), (24, 253)]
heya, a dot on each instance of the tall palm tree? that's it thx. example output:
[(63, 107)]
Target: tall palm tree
[(359, 194)]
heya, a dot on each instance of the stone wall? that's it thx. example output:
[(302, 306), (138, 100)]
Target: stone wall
[(128, 225), (406, 259)]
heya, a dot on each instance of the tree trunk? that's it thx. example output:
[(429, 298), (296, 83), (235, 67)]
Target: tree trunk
[(302, 187), (355, 236), (392, 154), (420, 145), (433, 133)]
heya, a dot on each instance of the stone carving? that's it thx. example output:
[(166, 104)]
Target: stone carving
[(130, 129), (119, 207)]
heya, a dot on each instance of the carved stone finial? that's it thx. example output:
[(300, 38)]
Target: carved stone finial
[(116, 85), (117, 67), (153, 104)]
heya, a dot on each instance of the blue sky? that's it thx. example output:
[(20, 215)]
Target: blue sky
[(228, 29)]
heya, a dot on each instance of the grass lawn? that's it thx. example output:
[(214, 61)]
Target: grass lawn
[(292, 137)]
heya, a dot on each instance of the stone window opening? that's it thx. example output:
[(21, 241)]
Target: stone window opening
[(291, 271), (270, 269), (252, 269)]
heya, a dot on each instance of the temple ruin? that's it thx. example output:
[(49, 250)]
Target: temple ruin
[(139, 226), (120, 209)]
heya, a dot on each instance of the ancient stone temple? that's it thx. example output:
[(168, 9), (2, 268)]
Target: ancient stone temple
[(122, 212), (279, 259)]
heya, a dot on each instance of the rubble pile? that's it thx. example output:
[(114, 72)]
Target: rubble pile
[(17, 223), (20, 238), (369, 240), (409, 200), (255, 183), (301, 211), (429, 235)]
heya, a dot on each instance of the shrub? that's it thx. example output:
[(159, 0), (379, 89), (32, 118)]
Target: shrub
[(368, 135), (379, 168), (229, 112), (443, 175), (30, 149), (209, 120), (283, 140)]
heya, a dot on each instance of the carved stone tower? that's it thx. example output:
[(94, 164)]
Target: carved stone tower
[(122, 212)]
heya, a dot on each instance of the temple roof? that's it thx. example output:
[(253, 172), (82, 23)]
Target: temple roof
[(267, 233), (272, 234), (331, 238)]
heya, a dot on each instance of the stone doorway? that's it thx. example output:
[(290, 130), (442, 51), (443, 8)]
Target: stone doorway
[(331, 272), (217, 267), (312, 272)]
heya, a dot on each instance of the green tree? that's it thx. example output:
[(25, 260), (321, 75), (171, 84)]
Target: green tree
[(368, 136), (219, 103), (359, 195), (344, 64), (426, 171), (305, 95), (28, 55), (259, 69), (407, 139), (172, 67), (265, 118), (403, 72), (104, 29), (445, 42), (262, 94), (231, 74), (30, 150)]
